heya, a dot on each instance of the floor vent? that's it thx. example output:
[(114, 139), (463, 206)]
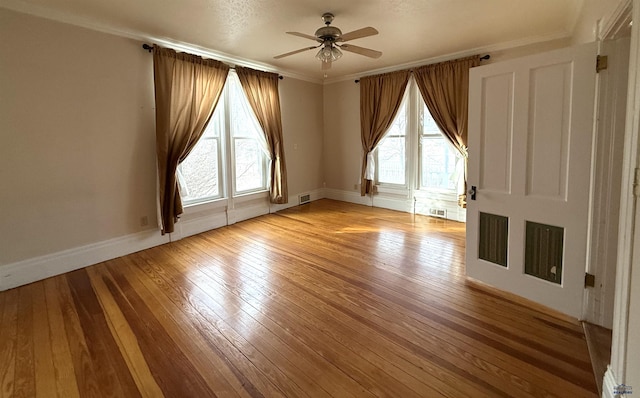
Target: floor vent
[(306, 198), (438, 212)]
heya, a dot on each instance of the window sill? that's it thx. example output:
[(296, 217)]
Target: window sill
[(249, 196), (213, 204)]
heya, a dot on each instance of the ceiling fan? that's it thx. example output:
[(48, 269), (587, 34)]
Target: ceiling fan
[(329, 36)]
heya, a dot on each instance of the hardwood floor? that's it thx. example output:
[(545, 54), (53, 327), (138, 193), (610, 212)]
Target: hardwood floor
[(327, 299)]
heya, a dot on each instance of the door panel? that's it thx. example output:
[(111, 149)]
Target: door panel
[(530, 141), (548, 131), (496, 133)]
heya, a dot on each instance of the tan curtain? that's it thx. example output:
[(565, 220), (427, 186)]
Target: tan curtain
[(380, 99), (187, 89), (445, 90), (261, 89)]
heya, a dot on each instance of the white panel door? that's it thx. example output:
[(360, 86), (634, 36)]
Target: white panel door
[(530, 141)]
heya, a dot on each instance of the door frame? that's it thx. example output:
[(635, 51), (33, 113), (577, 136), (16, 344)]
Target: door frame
[(609, 125), (621, 348)]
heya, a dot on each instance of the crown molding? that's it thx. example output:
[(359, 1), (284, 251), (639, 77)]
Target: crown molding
[(232, 60), (460, 54), (48, 13)]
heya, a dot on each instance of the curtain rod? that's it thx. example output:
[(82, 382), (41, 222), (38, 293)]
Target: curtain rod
[(150, 49), (411, 71)]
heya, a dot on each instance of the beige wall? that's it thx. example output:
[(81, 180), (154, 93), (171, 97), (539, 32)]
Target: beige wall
[(343, 147), (77, 139), (302, 127)]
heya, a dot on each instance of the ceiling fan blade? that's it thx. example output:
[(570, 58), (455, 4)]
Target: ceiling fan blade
[(367, 52), (356, 34), (326, 65), (303, 35), (295, 52)]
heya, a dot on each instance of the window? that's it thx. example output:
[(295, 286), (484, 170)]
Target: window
[(434, 166), (230, 156)]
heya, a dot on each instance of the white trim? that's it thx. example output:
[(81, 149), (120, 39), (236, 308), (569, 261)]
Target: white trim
[(246, 212), (34, 269), (198, 224), (348, 196), (609, 384), (627, 226), (615, 22), (610, 109), (314, 195), (399, 203), (403, 204)]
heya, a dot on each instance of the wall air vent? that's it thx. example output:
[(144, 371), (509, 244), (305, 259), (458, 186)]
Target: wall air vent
[(304, 198), (442, 213)]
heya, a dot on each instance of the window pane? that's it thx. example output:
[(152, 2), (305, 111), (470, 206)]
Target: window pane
[(438, 164), (391, 160), (249, 164), (399, 125), (248, 139), (391, 151), (429, 126), (200, 171)]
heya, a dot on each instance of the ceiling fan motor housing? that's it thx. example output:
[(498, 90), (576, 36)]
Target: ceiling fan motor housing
[(328, 33)]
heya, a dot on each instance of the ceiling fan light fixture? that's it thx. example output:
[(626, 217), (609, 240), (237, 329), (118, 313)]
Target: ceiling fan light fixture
[(329, 53)]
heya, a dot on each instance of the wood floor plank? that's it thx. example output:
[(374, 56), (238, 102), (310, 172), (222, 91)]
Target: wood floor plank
[(83, 366), (125, 338), (327, 299), (45, 372), (113, 376), (25, 385), (172, 369), (8, 337), (66, 384), (176, 318)]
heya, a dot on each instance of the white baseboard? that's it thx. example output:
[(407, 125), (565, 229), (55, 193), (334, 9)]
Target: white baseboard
[(610, 385), (399, 204), (35, 269), (198, 224), (293, 199), (347, 196)]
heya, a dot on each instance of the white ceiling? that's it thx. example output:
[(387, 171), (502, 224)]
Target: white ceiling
[(253, 30)]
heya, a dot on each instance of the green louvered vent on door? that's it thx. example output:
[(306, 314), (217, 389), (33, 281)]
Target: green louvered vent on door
[(543, 251), (493, 238)]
